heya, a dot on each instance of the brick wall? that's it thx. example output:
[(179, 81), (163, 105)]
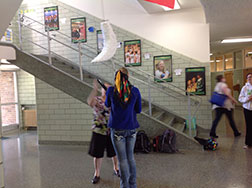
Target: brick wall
[(66, 12), (7, 93)]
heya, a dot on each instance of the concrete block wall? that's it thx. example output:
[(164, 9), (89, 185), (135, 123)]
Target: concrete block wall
[(26, 88), (61, 118), (66, 13), (26, 92)]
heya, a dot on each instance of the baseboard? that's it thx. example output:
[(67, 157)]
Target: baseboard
[(57, 142)]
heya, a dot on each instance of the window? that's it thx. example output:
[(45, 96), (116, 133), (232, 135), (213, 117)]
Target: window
[(212, 64), (248, 58), (219, 63), (228, 61), (238, 63)]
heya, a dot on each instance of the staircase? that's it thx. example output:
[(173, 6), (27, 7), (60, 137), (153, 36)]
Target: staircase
[(64, 75)]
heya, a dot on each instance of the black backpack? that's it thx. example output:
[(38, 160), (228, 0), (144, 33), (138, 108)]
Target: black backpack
[(168, 142), (142, 144)]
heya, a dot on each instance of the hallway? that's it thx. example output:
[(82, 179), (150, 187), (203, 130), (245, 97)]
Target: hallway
[(28, 165)]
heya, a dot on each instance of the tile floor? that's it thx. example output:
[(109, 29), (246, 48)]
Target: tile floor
[(29, 165)]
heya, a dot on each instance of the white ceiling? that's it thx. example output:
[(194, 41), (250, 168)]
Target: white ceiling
[(228, 19)]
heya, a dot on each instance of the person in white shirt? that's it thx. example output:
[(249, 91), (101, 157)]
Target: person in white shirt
[(245, 98), (222, 88), (161, 72)]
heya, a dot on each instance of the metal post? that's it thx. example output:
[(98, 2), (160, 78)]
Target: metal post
[(80, 61), (20, 30), (149, 93), (189, 114), (49, 46)]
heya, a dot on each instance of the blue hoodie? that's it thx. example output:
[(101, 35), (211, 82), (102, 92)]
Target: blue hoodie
[(121, 118)]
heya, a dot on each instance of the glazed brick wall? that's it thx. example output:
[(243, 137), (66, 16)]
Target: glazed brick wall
[(176, 105)]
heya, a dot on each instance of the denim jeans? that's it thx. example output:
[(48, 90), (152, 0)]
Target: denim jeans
[(124, 142)]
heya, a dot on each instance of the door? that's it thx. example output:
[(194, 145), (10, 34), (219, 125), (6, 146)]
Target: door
[(229, 80)]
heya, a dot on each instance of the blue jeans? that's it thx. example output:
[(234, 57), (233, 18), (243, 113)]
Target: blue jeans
[(124, 142)]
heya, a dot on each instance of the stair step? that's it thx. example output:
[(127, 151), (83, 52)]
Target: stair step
[(167, 119), (179, 126), (157, 113)]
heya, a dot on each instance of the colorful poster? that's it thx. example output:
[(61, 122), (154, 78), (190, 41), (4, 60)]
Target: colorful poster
[(78, 30), (162, 66), (51, 16), (196, 80), (132, 53), (100, 41), (7, 37)]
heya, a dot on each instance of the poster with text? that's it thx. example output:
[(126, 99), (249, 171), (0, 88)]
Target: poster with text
[(7, 37), (78, 30), (132, 53), (162, 66), (100, 40), (196, 80), (51, 16)]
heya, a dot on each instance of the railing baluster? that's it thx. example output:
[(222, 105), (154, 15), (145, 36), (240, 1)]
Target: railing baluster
[(80, 61), (149, 95), (20, 30), (49, 46)]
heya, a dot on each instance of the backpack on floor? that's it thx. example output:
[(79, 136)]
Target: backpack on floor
[(168, 142), (142, 142)]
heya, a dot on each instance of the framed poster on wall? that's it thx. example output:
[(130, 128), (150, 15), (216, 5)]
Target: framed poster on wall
[(162, 66), (100, 41), (78, 30), (132, 53), (196, 80), (51, 16)]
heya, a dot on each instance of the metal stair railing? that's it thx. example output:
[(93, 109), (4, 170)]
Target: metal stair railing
[(90, 49)]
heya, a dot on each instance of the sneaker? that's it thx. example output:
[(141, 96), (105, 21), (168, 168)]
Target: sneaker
[(237, 134), (117, 173), (214, 136), (245, 147), (95, 179)]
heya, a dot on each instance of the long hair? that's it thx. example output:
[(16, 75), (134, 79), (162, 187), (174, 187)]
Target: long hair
[(122, 91)]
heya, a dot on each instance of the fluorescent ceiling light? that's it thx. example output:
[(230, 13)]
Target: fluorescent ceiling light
[(212, 61), (236, 40), (217, 61), (211, 54), (176, 6), (249, 52)]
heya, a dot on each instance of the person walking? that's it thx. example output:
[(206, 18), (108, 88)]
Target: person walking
[(222, 88), (100, 133), (245, 98), (125, 102)]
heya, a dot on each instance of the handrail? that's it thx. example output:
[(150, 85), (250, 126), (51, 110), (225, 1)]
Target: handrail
[(118, 63), (51, 38), (139, 70)]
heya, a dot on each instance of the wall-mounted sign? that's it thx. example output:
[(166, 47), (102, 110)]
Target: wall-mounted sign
[(51, 16), (100, 40), (196, 80), (78, 30), (162, 66), (132, 53), (7, 37), (178, 72)]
